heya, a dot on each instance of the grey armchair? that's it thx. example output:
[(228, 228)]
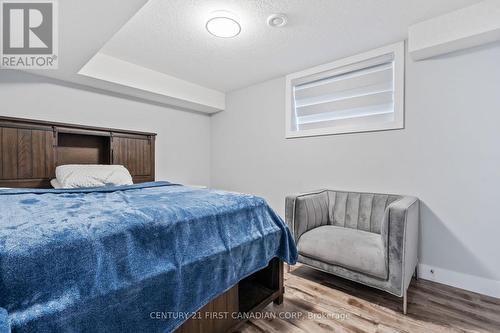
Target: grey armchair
[(369, 238)]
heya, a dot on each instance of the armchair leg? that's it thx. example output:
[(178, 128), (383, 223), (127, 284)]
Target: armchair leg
[(415, 275), (405, 303)]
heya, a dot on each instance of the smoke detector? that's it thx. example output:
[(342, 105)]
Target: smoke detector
[(277, 20)]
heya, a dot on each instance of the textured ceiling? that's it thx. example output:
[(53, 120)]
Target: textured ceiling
[(169, 36), (84, 27)]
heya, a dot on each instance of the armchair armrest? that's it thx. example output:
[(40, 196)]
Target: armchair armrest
[(306, 211), (401, 225)]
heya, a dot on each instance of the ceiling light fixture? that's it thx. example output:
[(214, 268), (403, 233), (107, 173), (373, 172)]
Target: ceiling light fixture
[(277, 20), (223, 26)]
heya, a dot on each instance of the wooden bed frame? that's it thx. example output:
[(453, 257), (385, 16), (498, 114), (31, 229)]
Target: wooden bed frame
[(30, 150)]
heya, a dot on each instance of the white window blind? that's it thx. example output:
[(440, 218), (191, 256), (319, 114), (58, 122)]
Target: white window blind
[(361, 93)]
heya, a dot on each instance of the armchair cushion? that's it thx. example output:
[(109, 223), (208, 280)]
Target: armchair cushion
[(352, 249)]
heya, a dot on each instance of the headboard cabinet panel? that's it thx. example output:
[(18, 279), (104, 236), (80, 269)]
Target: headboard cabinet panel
[(26, 154), (9, 148), (30, 150), (134, 153)]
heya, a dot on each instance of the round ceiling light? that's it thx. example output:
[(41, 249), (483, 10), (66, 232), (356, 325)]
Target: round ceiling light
[(277, 20), (223, 27)]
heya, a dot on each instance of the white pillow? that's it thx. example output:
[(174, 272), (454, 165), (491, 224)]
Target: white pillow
[(84, 175), (55, 183)]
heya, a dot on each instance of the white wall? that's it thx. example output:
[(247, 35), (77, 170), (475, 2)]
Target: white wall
[(183, 142), (448, 155)]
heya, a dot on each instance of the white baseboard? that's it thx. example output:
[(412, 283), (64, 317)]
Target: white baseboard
[(460, 280)]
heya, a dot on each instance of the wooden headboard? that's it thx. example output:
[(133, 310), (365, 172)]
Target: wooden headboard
[(30, 150)]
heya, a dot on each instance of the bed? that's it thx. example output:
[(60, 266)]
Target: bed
[(148, 257)]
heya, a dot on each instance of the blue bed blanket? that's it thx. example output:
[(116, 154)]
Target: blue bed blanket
[(104, 260)]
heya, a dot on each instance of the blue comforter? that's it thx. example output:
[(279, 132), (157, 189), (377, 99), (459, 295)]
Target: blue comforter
[(103, 260)]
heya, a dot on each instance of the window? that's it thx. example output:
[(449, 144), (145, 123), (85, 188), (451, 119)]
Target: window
[(358, 94)]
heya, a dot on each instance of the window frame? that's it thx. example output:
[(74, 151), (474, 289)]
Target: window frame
[(397, 49)]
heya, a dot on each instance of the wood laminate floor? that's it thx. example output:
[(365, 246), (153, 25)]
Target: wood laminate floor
[(321, 302)]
